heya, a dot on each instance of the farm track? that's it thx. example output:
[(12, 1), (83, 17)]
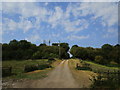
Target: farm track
[(60, 77)]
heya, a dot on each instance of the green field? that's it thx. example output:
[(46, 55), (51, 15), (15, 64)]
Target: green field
[(101, 68), (18, 68)]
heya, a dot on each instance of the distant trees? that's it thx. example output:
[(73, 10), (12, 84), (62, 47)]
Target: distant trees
[(55, 44), (18, 50), (53, 51), (104, 55), (65, 46), (22, 50), (78, 52)]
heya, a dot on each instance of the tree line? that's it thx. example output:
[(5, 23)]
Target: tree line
[(23, 50), (107, 54)]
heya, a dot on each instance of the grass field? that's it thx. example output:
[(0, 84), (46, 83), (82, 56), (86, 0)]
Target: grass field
[(102, 68), (85, 76), (18, 69), (81, 76)]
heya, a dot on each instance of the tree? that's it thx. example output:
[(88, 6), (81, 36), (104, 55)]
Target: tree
[(24, 44), (106, 49), (37, 55), (14, 44), (43, 44), (65, 46), (99, 59), (78, 52), (55, 44), (90, 53)]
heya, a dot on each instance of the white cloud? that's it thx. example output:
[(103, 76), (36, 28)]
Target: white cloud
[(11, 25), (106, 11), (75, 26), (33, 38), (56, 17), (60, 1), (0, 30), (25, 10), (111, 32), (74, 37), (53, 35), (20, 1), (46, 3)]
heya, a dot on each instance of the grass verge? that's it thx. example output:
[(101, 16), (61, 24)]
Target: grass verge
[(18, 69), (81, 76), (101, 68)]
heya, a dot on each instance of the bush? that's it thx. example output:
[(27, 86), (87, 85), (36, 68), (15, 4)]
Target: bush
[(37, 55), (113, 63), (106, 81), (30, 68), (84, 68), (43, 66), (99, 59), (6, 71)]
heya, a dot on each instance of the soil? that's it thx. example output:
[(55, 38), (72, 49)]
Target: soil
[(60, 77)]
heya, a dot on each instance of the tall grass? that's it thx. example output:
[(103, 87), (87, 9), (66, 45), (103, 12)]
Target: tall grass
[(18, 67)]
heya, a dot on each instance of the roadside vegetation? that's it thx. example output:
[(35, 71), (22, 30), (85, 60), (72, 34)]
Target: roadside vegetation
[(105, 77), (18, 68), (104, 61), (106, 55), (81, 76), (24, 50), (22, 59)]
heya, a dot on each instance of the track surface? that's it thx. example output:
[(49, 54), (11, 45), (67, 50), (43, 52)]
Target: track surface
[(60, 77)]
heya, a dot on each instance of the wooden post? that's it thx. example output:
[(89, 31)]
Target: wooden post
[(77, 65)]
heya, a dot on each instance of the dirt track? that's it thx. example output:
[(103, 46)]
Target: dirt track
[(60, 77)]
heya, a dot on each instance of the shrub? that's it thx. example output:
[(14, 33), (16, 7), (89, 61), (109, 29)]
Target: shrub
[(50, 60), (29, 68), (6, 71), (105, 81), (99, 59), (43, 66), (37, 55), (83, 67), (113, 63)]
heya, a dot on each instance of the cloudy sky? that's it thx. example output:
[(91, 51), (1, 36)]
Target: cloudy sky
[(85, 24)]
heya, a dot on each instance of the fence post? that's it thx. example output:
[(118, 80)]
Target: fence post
[(118, 75), (10, 70), (77, 65), (108, 74)]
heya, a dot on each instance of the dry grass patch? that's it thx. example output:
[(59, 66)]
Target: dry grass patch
[(81, 76), (56, 63)]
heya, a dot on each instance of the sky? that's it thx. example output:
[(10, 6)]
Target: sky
[(82, 23)]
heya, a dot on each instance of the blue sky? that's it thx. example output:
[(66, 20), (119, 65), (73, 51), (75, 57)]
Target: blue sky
[(85, 24)]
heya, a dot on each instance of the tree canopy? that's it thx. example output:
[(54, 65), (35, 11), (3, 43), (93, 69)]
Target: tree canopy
[(22, 50)]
